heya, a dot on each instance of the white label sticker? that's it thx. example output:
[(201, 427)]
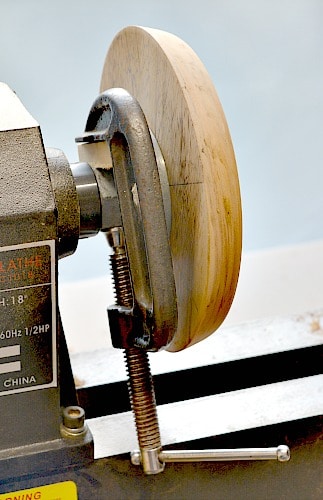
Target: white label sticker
[(27, 317)]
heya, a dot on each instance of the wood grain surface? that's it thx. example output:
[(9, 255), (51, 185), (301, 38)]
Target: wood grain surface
[(184, 113)]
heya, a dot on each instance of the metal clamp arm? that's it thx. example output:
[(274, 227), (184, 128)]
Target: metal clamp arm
[(117, 118)]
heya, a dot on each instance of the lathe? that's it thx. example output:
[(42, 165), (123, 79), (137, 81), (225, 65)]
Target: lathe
[(157, 175)]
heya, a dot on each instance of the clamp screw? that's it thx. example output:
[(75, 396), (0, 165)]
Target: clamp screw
[(141, 388)]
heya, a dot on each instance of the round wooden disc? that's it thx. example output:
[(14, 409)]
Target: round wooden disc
[(183, 112)]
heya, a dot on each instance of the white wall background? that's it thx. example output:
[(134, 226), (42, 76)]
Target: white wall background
[(266, 61)]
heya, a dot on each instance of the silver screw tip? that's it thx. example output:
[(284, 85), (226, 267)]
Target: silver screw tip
[(283, 453), (115, 237)]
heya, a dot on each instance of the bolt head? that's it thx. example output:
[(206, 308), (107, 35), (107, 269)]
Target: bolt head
[(73, 417)]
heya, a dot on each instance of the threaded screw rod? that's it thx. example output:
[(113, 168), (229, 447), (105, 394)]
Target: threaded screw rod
[(140, 384), (120, 268)]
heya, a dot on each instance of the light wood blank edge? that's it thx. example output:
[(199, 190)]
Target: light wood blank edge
[(184, 113)]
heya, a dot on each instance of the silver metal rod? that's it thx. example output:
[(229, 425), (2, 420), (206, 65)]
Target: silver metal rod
[(280, 453)]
